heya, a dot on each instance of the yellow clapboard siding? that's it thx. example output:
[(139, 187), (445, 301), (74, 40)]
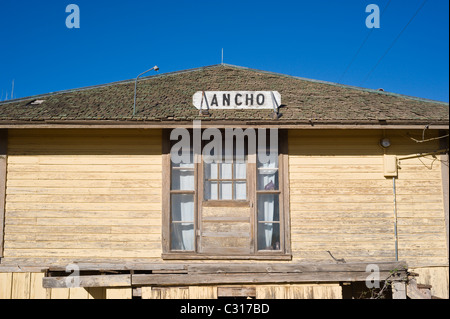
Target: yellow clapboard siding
[(25, 237), (84, 245), (83, 253), (21, 282), (86, 229), (341, 201), (82, 214), (84, 160), (68, 198), (83, 222), (82, 191), (6, 285), (437, 277), (82, 175), (36, 289), (86, 194), (85, 183), (119, 293), (99, 168), (146, 206)]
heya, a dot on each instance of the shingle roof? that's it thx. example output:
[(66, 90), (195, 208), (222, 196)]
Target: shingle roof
[(168, 97)]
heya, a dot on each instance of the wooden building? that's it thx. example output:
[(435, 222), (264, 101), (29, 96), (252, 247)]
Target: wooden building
[(92, 205)]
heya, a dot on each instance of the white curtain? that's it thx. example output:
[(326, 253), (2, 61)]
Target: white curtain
[(267, 180), (269, 208), (186, 177), (187, 230), (267, 173), (183, 211)]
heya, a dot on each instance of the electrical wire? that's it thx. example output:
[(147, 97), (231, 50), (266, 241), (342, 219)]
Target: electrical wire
[(393, 43), (361, 46)]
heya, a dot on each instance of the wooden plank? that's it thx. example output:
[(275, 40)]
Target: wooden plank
[(119, 293), (88, 281), (21, 285), (60, 293), (202, 292), (398, 290), (288, 267), (271, 292), (413, 292), (6, 285), (173, 292), (85, 253), (210, 279), (165, 198), (9, 268), (236, 291), (150, 293), (99, 266), (36, 289), (76, 293)]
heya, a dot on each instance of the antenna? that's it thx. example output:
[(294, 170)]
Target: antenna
[(222, 56), (12, 91)]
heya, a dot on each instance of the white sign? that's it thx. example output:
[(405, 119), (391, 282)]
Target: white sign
[(237, 100)]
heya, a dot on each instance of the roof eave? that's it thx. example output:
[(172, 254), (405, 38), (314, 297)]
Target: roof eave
[(157, 124)]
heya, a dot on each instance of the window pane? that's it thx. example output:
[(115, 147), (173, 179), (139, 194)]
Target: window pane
[(226, 190), (267, 179), (268, 207), (211, 190), (183, 207), (182, 236), (226, 171), (211, 171), (240, 170), (183, 179), (240, 191), (268, 236)]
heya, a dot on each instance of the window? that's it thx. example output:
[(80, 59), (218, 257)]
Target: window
[(233, 207), (225, 180)]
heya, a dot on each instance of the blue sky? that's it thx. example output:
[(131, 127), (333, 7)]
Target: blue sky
[(317, 39)]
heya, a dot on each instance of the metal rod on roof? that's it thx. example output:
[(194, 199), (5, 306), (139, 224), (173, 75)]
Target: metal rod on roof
[(135, 86)]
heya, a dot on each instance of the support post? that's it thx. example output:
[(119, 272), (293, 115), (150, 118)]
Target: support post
[(3, 158), (445, 183), (398, 290)]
